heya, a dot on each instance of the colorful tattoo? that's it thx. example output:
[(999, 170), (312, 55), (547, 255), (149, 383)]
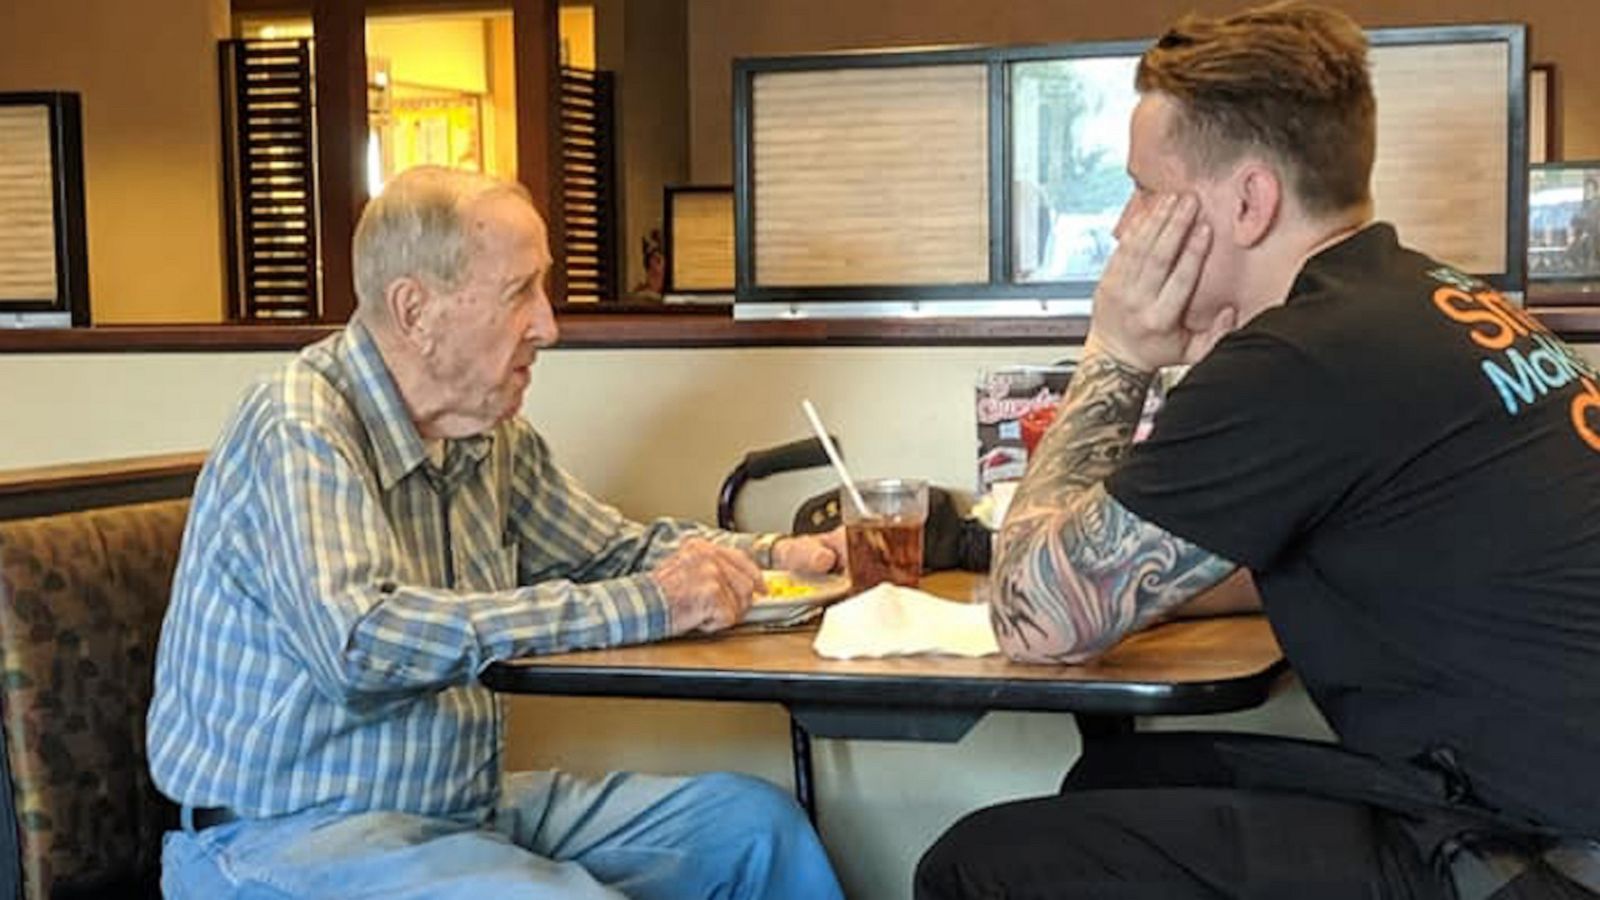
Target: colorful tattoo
[(1076, 570)]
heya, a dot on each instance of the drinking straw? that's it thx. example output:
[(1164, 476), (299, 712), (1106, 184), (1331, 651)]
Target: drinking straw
[(833, 457)]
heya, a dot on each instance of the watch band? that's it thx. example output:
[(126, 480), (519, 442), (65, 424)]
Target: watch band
[(761, 550)]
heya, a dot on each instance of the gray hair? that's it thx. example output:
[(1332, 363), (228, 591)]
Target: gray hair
[(418, 227)]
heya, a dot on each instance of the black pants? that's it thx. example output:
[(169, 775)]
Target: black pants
[(1170, 816)]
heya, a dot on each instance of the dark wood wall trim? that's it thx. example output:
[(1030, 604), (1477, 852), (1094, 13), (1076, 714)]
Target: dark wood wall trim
[(536, 39), (587, 331), (341, 74), (162, 338), (67, 488), (604, 331)]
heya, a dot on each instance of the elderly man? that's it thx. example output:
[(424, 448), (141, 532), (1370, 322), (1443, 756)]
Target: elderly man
[(1403, 461), (375, 526)]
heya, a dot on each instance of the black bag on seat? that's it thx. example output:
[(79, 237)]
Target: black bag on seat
[(948, 540)]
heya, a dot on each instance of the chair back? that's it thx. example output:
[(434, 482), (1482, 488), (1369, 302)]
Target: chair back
[(758, 464), (82, 595)]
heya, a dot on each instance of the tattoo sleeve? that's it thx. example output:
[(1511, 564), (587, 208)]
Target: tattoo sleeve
[(1076, 570)]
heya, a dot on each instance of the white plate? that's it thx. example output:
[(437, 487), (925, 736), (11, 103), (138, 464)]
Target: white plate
[(793, 593)]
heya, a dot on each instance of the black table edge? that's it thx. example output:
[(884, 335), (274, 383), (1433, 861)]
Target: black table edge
[(922, 692)]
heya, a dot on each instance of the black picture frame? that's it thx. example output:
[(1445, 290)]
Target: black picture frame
[(669, 197), (1514, 279), (1564, 222), (70, 245)]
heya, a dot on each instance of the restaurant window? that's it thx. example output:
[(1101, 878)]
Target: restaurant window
[(1069, 181), (987, 182)]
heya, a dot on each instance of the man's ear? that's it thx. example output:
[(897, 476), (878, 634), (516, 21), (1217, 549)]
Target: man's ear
[(1257, 201), (406, 300)]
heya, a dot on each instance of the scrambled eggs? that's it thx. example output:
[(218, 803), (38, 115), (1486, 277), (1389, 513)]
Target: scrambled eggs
[(781, 585)]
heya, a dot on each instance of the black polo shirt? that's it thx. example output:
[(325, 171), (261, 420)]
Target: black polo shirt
[(1411, 469)]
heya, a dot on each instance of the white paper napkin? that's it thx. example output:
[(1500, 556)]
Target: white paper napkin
[(890, 620)]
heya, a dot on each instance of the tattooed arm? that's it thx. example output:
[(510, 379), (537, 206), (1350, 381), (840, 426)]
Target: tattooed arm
[(1076, 570)]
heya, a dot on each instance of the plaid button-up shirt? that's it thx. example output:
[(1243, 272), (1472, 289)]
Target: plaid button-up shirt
[(338, 594)]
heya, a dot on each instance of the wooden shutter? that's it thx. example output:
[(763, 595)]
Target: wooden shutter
[(588, 184), (271, 184)]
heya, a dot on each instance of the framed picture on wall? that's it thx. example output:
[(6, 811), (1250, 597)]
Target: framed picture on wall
[(698, 243), (44, 263), (1564, 221)]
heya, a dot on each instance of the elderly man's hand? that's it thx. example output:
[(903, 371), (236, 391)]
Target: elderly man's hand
[(1142, 315), (708, 587), (810, 552)]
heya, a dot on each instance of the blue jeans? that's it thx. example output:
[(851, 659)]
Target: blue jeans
[(555, 835)]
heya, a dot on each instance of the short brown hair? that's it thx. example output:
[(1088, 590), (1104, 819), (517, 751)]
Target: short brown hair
[(1288, 78)]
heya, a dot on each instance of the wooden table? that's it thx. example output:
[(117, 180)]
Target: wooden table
[(1181, 668)]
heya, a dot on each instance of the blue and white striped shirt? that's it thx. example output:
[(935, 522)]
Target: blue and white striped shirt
[(338, 594)]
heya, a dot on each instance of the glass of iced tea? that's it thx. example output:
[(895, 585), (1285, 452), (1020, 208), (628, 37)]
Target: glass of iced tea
[(886, 543)]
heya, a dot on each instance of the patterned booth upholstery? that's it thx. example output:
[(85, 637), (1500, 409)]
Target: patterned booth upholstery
[(81, 600)]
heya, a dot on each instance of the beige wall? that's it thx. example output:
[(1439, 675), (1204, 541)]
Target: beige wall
[(147, 73), (655, 429), (1561, 31)]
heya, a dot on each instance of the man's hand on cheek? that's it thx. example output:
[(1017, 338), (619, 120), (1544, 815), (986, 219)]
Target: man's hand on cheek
[(1143, 298)]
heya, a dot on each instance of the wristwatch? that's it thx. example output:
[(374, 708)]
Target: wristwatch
[(761, 550)]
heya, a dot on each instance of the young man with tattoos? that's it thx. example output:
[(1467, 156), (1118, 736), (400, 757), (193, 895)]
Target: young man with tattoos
[(1402, 461)]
